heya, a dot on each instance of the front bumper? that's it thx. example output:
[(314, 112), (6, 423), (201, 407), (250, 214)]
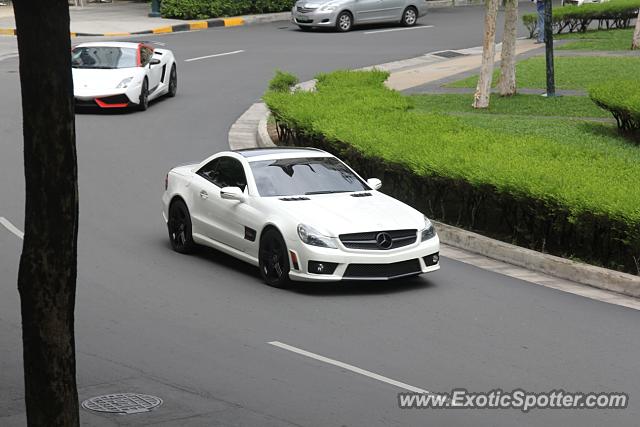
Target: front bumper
[(107, 98), (362, 264), (316, 18)]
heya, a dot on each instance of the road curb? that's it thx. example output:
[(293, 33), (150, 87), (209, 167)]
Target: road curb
[(187, 26), (250, 131)]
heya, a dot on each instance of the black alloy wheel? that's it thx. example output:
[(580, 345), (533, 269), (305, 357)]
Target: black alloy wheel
[(173, 82), (274, 260), (143, 104), (179, 226)]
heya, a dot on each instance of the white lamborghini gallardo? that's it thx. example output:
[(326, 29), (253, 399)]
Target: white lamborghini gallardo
[(122, 74)]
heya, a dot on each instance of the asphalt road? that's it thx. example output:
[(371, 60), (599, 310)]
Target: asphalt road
[(195, 330)]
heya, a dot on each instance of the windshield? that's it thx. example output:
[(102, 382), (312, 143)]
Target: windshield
[(104, 57), (319, 175)]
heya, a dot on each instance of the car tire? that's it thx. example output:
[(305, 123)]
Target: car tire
[(409, 17), (304, 28), (274, 259), (173, 81), (143, 102), (344, 22), (179, 227)]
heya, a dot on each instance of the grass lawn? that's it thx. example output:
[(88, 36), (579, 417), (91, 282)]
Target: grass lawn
[(619, 39), (585, 167), (519, 105), (570, 72)]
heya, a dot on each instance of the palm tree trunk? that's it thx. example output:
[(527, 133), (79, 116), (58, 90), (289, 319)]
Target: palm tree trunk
[(47, 274), (635, 44), (483, 90), (508, 56)]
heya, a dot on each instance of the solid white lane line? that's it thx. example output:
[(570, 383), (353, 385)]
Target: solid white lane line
[(12, 228), (398, 29), (348, 367), (214, 55)]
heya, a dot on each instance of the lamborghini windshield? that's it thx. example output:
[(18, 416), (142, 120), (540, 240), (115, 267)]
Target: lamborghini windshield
[(105, 57)]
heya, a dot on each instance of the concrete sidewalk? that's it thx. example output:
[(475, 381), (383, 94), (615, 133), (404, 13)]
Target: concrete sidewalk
[(124, 17)]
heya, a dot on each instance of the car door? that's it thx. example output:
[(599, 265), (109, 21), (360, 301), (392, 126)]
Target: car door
[(391, 10), (155, 70), (204, 213), (368, 11), (223, 216)]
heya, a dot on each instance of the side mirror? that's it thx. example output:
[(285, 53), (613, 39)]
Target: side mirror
[(154, 61), (232, 193), (374, 183)]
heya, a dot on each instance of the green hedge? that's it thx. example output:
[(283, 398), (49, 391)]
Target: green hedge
[(204, 9), (573, 198), (612, 14), (622, 99)]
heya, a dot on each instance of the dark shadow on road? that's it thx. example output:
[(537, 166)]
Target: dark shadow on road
[(349, 288), (344, 288), (355, 30)]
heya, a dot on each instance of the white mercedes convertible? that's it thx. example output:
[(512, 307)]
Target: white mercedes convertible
[(298, 214), (122, 74)]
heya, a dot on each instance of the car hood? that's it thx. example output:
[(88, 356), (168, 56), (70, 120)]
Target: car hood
[(335, 214), (91, 78)]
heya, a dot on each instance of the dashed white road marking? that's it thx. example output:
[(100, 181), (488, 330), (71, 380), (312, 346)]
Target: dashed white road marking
[(12, 228), (348, 367), (398, 29), (214, 55)]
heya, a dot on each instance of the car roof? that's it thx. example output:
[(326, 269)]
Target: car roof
[(132, 45), (271, 153)]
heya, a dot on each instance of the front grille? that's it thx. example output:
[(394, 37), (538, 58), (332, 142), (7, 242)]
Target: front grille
[(115, 99), (85, 103), (369, 240), (302, 9), (383, 271)]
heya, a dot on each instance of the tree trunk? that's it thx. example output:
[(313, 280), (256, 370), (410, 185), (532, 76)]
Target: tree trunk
[(483, 90), (47, 274), (635, 44), (508, 56)]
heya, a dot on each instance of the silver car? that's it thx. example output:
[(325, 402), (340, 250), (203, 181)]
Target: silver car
[(344, 14)]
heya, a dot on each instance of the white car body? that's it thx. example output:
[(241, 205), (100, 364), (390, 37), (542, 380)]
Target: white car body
[(104, 87), (235, 226)]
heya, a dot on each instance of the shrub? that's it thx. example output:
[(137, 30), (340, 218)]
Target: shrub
[(622, 99), (204, 9), (573, 196), (612, 14), (282, 82)]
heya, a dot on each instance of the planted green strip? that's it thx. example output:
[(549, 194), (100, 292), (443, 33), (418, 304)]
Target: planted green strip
[(610, 40), (585, 170), (570, 72), (519, 105), (615, 13), (622, 99)]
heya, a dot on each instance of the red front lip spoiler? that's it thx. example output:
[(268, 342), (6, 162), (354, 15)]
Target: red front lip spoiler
[(103, 104)]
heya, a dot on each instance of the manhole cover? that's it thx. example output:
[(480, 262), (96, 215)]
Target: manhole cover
[(122, 403), (448, 54)]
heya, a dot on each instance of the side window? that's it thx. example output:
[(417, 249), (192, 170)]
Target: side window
[(231, 174), (145, 55), (210, 170), (224, 172)]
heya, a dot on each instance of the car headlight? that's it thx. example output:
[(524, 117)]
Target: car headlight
[(428, 231), (124, 83), (329, 8), (311, 236)]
